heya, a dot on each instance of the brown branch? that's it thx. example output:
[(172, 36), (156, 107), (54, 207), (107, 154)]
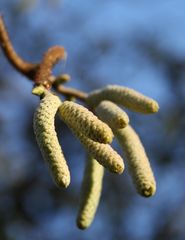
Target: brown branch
[(71, 92), (22, 66), (39, 73), (51, 57)]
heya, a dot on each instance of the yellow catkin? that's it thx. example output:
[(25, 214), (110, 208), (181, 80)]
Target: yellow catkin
[(91, 192), (127, 97), (138, 162), (111, 114), (102, 152), (85, 121), (46, 136)]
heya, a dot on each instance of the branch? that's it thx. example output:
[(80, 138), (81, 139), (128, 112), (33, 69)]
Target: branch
[(71, 92), (51, 57), (17, 62), (40, 73)]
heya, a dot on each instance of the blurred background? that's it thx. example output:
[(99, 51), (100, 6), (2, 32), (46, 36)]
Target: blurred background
[(139, 44)]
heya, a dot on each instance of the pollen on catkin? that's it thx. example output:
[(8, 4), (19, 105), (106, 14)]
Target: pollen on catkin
[(47, 140), (111, 114), (124, 96), (85, 121), (90, 193), (138, 163), (102, 152)]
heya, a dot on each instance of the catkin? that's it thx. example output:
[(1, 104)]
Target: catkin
[(127, 97), (86, 122), (138, 162), (47, 139), (102, 152), (91, 192), (111, 114)]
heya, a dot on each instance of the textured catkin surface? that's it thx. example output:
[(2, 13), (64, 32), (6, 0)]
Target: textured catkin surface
[(138, 162), (127, 97), (111, 114), (103, 153), (46, 136), (91, 192), (85, 121)]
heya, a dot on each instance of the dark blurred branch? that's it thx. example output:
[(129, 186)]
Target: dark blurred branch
[(40, 74)]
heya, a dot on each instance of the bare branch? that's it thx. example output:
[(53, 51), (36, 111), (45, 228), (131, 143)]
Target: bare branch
[(39, 73), (51, 57), (71, 92), (22, 66)]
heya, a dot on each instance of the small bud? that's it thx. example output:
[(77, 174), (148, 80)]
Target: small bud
[(138, 162), (91, 192), (85, 121), (127, 97), (47, 139), (38, 90), (111, 114)]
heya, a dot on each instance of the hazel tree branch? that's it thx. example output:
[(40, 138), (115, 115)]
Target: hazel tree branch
[(71, 92), (26, 68), (51, 57), (40, 73)]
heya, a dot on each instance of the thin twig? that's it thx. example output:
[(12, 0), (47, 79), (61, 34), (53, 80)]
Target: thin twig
[(71, 92), (51, 57), (22, 66), (39, 73)]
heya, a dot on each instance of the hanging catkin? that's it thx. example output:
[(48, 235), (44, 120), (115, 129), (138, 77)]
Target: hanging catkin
[(127, 97), (86, 122), (138, 162), (91, 192), (111, 114), (102, 152), (46, 136)]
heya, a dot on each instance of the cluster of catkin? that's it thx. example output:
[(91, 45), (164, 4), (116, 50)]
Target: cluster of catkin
[(95, 130)]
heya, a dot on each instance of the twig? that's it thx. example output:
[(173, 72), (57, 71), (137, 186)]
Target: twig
[(22, 66), (71, 92), (39, 73), (51, 57)]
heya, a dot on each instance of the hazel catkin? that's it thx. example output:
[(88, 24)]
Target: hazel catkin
[(85, 121), (47, 140), (127, 97), (102, 152), (138, 163), (111, 114), (91, 192)]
